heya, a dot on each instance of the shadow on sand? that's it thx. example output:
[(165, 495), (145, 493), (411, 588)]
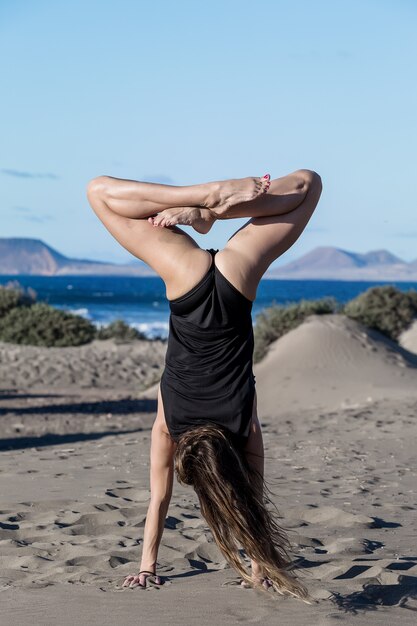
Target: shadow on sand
[(50, 439), (374, 595), (123, 406)]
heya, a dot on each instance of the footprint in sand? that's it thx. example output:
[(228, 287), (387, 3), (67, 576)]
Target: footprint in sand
[(130, 494)]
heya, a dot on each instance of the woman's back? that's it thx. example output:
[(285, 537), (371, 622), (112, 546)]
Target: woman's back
[(208, 374)]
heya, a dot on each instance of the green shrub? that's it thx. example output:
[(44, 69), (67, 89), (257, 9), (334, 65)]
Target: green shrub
[(275, 321), (119, 331), (42, 325), (386, 309), (13, 295)]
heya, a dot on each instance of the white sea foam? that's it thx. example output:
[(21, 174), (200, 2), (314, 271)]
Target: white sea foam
[(152, 329), (83, 311)]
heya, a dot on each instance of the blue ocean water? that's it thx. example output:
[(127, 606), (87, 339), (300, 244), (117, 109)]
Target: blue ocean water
[(141, 301)]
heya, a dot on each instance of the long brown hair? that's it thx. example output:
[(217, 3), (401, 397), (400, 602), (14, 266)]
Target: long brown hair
[(234, 499)]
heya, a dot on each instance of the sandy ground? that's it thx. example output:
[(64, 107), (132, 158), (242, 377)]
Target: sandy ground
[(338, 407), (100, 364)]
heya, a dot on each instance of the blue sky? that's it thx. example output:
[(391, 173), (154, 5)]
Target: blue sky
[(188, 91)]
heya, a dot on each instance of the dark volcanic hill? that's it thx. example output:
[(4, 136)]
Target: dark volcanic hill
[(20, 255)]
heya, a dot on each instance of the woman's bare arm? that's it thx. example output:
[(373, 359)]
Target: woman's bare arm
[(161, 482)]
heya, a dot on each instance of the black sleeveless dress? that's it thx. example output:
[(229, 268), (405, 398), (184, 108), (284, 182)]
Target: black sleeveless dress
[(208, 377)]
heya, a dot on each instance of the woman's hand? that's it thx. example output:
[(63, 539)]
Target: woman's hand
[(141, 580)]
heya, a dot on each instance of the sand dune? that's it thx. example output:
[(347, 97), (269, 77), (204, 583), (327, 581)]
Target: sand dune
[(408, 339), (331, 361)]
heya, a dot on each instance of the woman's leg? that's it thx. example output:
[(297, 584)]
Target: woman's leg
[(283, 196), (251, 249), (136, 200), (122, 207)]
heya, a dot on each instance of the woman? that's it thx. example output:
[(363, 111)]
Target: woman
[(207, 429)]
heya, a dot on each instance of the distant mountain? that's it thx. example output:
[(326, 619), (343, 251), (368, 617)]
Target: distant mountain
[(33, 256), (337, 264), (20, 255), (382, 257)]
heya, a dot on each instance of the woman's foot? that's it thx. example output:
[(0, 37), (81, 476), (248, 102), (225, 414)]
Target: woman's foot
[(140, 580), (225, 194), (200, 219), (221, 196)]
